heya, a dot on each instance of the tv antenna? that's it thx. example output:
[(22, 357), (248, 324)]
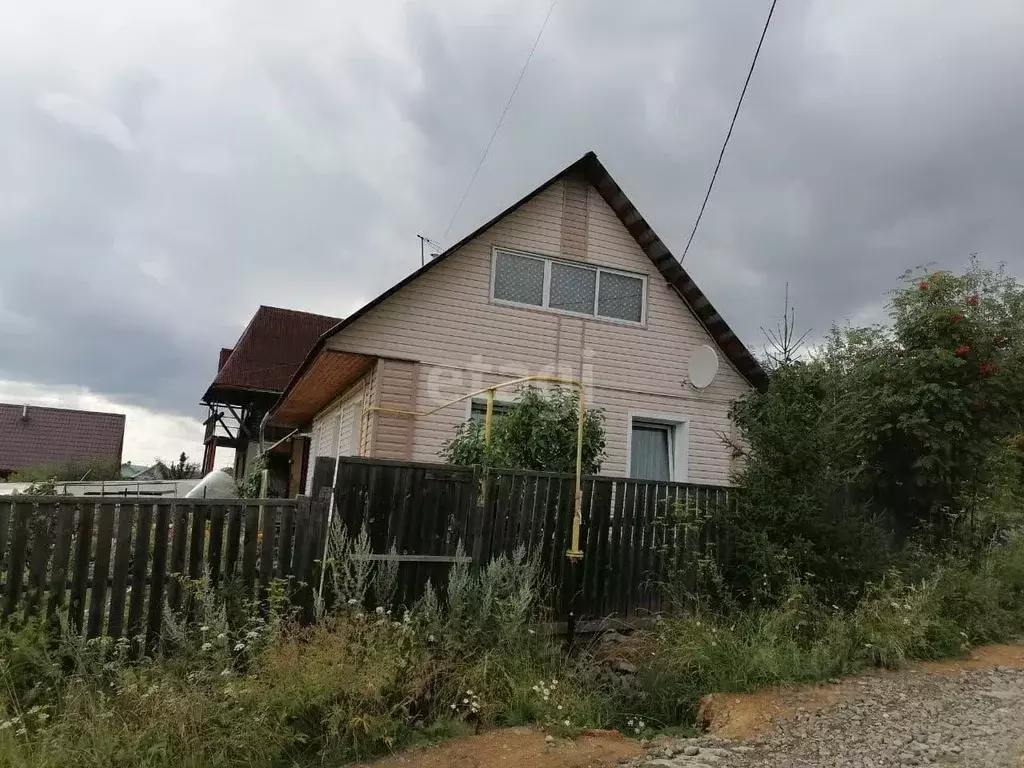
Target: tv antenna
[(423, 243)]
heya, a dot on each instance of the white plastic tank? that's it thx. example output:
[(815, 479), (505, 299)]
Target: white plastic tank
[(219, 484)]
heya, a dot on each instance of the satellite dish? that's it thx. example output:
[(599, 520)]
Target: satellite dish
[(703, 366)]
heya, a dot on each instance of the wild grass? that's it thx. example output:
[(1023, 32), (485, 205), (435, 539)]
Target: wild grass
[(244, 687), (957, 604)]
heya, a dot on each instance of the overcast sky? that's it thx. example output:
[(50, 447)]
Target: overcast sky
[(166, 167)]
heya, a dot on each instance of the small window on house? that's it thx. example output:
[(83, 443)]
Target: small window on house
[(561, 286), (657, 450), (572, 288), (519, 279), (478, 409), (621, 297)]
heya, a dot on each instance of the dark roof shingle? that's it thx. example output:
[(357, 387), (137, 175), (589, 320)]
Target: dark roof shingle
[(37, 436)]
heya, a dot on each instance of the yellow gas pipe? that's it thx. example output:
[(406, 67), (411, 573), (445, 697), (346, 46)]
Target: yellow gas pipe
[(575, 553)]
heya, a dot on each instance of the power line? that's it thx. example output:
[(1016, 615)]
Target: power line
[(501, 119), (728, 135)]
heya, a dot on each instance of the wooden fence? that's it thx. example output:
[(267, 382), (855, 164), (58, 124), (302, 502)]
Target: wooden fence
[(635, 534), (113, 566)]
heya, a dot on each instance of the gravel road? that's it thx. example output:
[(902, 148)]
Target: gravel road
[(972, 718)]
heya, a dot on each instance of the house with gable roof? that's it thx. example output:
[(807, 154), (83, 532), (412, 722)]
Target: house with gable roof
[(571, 281)]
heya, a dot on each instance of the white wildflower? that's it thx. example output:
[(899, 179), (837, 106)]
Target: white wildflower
[(465, 701), (453, 706), (531, 632), (207, 646), (352, 601), (222, 636), (5, 725), (225, 672), (239, 646), (204, 628), (559, 707), (565, 723), (380, 610), (430, 638)]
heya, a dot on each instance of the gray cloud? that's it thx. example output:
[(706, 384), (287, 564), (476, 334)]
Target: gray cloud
[(164, 172)]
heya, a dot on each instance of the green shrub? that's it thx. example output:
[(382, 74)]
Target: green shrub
[(538, 431), (956, 603)]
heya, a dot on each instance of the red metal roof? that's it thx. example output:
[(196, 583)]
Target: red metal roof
[(270, 349), (225, 353), (35, 436)]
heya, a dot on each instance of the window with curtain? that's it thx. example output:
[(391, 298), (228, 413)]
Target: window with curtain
[(651, 451), (572, 288), (519, 279), (561, 286)]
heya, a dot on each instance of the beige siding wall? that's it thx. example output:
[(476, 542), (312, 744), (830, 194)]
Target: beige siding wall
[(337, 430), (393, 434), (446, 322)]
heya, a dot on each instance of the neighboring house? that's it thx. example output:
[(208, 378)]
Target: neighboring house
[(250, 378), (570, 280), (32, 436), (129, 470), (158, 471)]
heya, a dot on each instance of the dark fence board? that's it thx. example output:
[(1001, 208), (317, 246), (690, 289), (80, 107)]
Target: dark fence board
[(161, 534), (196, 544), (235, 512), (300, 589), (19, 551), (100, 569), (63, 537), (83, 556), (284, 552), (126, 517), (271, 513), (249, 546), (176, 563), (6, 510), (41, 531), (139, 568), (215, 548)]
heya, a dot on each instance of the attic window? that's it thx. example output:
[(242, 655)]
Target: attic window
[(519, 279), (577, 289)]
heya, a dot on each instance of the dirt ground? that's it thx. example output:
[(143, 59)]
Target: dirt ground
[(519, 748), (742, 715), (728, 716)]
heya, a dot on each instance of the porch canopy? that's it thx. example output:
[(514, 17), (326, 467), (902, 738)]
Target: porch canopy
[(320, 380)]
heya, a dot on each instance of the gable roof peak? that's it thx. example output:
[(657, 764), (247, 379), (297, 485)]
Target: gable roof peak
[(646, 238)]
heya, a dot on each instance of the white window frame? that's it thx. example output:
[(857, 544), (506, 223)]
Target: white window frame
[(679, 437), (499, 397), (546, 296)]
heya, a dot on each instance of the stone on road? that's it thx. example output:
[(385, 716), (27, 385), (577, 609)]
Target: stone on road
[(966, 717)]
